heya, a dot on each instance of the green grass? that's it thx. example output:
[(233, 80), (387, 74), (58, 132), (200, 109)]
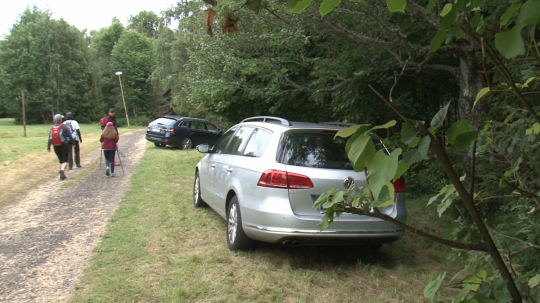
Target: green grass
[(159, 248)]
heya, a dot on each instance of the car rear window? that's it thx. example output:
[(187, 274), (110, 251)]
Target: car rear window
[(318, 150), (163, 121)]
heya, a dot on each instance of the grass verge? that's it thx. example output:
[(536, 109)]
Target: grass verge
[(159, 248)]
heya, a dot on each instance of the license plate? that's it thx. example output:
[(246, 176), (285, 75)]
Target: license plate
[(156, 130)]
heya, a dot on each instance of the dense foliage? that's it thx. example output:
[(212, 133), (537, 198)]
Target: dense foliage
[(461, 76)]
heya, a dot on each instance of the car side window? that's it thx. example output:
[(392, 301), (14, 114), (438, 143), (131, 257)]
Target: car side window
[(240, 139), (184, 124), (212, 128), (197, 125), (257, 144), (222, 144)]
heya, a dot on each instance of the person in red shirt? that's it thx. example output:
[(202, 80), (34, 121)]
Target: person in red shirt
[(109, 139), (111, 117)]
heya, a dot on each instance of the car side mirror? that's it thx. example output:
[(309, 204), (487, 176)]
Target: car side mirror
[(203, 148)]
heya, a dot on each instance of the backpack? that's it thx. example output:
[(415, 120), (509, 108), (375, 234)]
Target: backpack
[(56, 137), (72, 130), (103, 121)]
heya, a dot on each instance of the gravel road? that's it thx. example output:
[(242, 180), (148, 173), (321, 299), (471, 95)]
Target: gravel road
[(47, 238)]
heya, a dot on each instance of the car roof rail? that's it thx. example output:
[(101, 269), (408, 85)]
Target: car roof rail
[(268, 119), (338, 123)]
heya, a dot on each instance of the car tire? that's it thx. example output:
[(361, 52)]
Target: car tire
[(236, 238), (197, 200), (160, 144), (186, 143)]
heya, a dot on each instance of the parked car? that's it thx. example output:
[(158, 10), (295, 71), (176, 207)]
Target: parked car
[(182, 132), (264, 175)]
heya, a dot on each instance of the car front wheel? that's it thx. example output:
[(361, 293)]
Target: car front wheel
[(186, 143), (236, 238), (197, 200)]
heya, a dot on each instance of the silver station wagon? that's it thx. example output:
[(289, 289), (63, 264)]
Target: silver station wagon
[(264, 175)]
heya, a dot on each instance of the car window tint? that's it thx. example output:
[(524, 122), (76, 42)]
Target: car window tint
[(314, 150), (197, 125), (257, 144), (211, 128), (184, 124), (223, 142), (240, 139), (163, 121)]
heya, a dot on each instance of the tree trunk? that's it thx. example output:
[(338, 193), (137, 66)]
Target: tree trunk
[(470, 83)]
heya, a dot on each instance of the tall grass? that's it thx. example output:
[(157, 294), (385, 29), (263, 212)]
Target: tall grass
[(159, 248)]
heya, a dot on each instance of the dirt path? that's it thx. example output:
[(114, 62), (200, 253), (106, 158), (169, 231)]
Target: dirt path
[(47, 238)]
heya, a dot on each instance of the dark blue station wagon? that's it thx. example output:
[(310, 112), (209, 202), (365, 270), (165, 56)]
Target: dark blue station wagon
[(182, 132)]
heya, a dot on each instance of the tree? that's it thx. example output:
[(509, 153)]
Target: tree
[(133, 55), (48, 60), (145, 23)]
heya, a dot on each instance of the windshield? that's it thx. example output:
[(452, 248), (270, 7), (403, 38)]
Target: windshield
[(314, 150), (163, 121)]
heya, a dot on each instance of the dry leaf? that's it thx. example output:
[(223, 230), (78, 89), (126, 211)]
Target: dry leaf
[(209, 16), (229, 24)]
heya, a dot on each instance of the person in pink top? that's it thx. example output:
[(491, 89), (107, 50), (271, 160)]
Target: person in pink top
[(109, 138)]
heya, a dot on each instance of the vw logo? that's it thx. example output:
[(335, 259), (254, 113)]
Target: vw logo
[(348, 181)]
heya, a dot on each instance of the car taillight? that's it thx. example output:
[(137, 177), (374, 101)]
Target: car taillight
[(172, 131), (282, 179), (399, 185)]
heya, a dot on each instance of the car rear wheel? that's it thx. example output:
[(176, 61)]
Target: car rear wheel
[(197, 200), (186, 143), (236, 238), (160, 144)]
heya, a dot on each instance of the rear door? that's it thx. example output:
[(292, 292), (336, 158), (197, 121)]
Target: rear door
[(315, 154), (158, 128)]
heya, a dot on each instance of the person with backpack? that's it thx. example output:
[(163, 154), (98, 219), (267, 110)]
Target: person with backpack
[(77, 139), (60, 138), (111, 117), (109, 139)]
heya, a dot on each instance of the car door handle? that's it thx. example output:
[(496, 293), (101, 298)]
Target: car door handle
[(229, 169), (213, 166)]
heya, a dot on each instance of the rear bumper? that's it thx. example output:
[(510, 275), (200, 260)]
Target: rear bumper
[(163, 140), (279, 224)]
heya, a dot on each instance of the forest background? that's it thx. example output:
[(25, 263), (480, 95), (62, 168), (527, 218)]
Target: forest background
[(470, 68)]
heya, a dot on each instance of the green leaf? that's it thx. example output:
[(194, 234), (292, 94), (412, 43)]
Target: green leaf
[(349, 131), (438, 119), (382, 169), (446, 9), (416, 155), (462, 293), (438, 40), (325, 223), (401, 169), (407, 134), (385, 197), (534, 281), (385, 126), (529, 13), (509, 13), (464, 139), (430, 6), (480, 94), (358, 147), (298, 6), (509, 43), (431, 289), (441, 208), (322, 198), (457, 129), (396, 5), (476, 280), (476, 20), (534, 129), (327, 6)]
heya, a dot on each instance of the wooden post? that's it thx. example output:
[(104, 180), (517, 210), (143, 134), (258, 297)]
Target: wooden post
[(23, 115)]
